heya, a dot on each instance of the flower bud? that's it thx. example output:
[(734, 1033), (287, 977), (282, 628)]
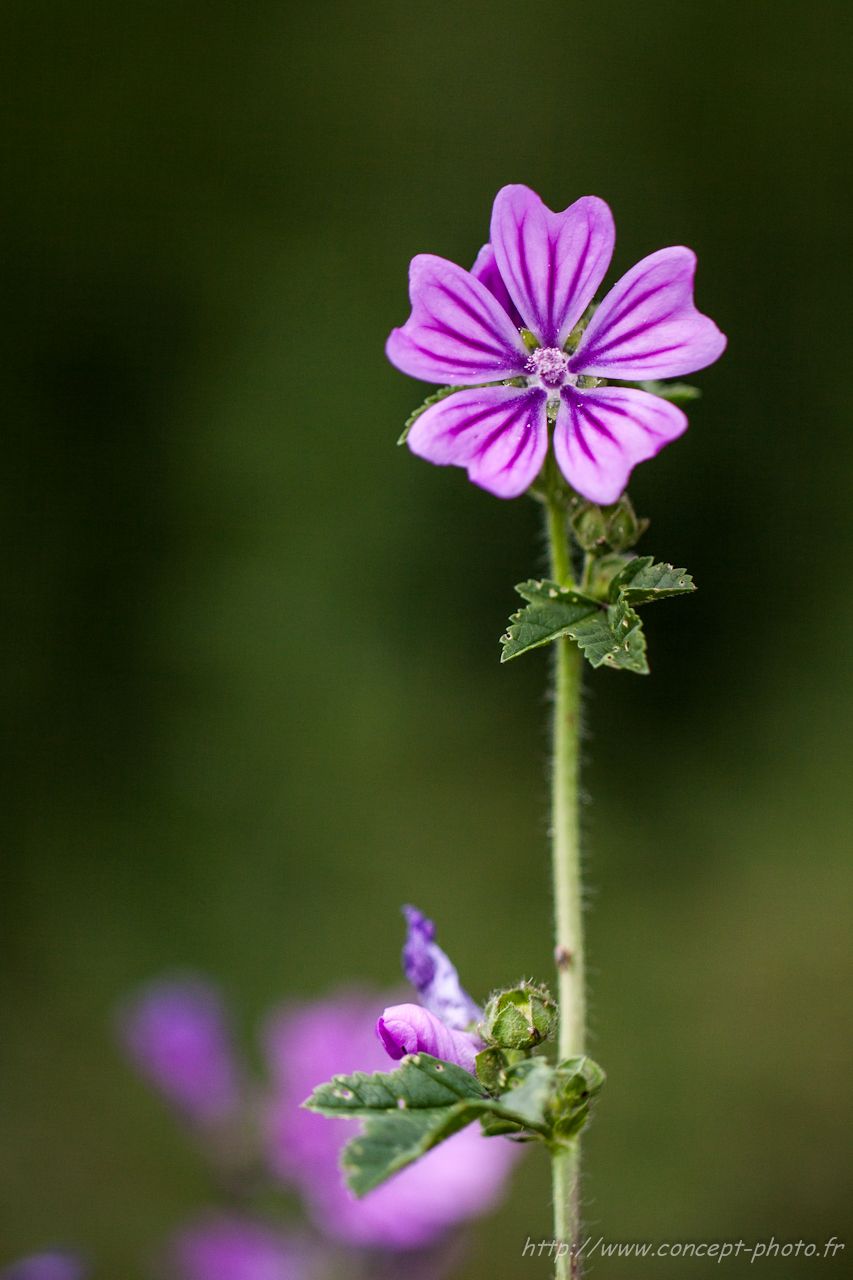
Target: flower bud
[(624, 528), (589, 525), (520, 1018)]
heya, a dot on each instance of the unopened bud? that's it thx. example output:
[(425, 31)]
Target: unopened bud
[(623, 526), (520, 1018)]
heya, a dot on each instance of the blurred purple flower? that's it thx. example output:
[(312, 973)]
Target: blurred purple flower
[(237, 1249), (433, 975), (541, 271), (458, 1180), (407, 1028), (177, 1036), (46, 1266)]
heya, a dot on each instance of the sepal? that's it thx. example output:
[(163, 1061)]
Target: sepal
[(576, 1082)]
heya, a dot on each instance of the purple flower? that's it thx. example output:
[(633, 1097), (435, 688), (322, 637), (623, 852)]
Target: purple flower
[(540, 271), (407, 1028), (237, 1249), (177, 1036), (46, 1266), (433, 975), (459, 1179)]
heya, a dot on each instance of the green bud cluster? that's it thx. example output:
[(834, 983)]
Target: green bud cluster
[(519, 1018), (598, 529)]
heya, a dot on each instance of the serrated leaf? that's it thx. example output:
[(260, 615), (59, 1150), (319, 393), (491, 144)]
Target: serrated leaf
[(414, 1108), (407, 1112), (614, 638), (393, 1140), (410, 1110), (642, 581), (553, 609), (420, 1082)]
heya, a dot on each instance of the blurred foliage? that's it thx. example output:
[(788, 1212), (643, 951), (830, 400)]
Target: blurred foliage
[(251, 697)]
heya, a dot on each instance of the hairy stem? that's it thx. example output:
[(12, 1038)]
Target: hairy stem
[(565, 845)]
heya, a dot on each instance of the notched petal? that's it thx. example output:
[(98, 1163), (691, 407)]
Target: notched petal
[(551, 263), (648, 325), (499, 434), (457, 332), (601, 435)]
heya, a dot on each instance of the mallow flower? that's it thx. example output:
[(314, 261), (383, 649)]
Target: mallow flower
[(539, 273), (458, 1180), (177, 1036)]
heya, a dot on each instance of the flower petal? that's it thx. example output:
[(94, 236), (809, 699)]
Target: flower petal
[(602, 434), (458, 332), (499, 433), (551, 263), (433, 975), (648, 326), (485, 269), (407, 1028)]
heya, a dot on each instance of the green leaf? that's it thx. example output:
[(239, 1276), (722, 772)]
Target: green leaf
[(614, 638), (677, 392), (421, 1082), (552, 611), (391, 1141), (642, 581), (408, 1111)]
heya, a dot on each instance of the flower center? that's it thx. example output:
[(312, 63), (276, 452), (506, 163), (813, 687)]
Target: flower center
[(551, 366)]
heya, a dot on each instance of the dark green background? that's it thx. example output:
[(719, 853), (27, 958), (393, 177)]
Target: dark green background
[(251, 699)]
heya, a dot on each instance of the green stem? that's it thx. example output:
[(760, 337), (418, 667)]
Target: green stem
[(565, 844)]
